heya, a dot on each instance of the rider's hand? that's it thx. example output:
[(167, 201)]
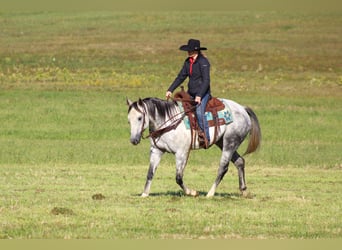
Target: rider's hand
[(168, 94), (198, 99)]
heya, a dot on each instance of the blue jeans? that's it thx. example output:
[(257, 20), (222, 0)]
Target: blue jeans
[(200, 113)]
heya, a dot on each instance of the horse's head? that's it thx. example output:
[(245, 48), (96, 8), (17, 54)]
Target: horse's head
[(138, 120)]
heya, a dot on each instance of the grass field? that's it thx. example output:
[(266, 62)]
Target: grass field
[(67, 169)]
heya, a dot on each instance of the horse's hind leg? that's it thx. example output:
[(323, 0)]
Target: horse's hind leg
[(239, 162), (223, 169)]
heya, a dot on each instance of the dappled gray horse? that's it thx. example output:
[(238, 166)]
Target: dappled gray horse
[(170, 134)]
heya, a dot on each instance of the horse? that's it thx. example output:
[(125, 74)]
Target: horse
[(169, 134)]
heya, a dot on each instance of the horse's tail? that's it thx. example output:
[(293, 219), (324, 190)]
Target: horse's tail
[(254, 134)]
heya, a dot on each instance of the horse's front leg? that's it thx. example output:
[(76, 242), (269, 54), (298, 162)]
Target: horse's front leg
[(155, 157), (181, 160)]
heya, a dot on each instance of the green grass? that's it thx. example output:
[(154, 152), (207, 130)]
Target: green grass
[(64, 136), (284, 203)]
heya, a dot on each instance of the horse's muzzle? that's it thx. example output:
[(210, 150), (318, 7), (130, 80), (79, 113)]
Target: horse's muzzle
[(135, 140)]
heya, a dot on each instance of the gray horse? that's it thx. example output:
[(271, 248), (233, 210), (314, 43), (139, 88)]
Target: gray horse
[(170, 134)]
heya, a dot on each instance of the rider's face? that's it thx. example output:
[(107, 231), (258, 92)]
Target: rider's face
[(192, 53)]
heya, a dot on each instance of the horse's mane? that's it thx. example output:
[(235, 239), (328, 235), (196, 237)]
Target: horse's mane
[(160, 107)]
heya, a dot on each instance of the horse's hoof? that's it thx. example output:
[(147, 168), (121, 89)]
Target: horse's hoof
[(144, 195), (194, 193), (246, 194), (211, 193)]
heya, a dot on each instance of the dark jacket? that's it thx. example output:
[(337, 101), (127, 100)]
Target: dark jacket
[(199, 80)]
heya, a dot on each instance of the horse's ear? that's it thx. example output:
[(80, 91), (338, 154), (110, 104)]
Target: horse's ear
[(140, 102), (128, 101)]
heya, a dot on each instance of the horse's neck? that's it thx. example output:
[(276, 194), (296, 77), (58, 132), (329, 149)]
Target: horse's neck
[(157, 123), (153, 124), (161, 122)]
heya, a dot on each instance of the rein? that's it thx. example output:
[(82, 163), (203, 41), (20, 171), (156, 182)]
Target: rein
[(159, 132), (174, 124)]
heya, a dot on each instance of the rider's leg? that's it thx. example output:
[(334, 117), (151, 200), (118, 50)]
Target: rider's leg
[(200, 113)]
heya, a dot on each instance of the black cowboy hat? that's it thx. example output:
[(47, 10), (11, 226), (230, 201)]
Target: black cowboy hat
[(193, 45)]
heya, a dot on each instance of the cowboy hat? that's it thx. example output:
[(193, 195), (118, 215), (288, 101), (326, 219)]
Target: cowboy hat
[(193, 45)]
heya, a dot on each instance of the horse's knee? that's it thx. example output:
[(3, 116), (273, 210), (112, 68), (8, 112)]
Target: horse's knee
[(150, 174)]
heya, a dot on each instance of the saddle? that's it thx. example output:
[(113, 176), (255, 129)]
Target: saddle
[(214, 105)]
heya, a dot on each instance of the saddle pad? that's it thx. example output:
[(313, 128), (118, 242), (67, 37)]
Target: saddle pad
[(224, 114)]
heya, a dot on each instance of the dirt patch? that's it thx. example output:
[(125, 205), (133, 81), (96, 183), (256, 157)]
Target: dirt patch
[(62, 210), (98, 197)]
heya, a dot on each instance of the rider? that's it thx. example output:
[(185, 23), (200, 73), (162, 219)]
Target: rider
[(197, 68)]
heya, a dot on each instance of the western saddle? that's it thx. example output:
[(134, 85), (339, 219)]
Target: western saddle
[(214, 105)]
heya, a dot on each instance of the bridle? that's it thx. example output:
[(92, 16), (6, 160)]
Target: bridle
[(143, 123)]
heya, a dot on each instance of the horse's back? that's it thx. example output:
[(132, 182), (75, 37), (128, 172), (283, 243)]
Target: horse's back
[(241, 119), (234, 106)]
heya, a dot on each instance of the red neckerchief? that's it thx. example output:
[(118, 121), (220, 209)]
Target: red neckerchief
[(191, 60)]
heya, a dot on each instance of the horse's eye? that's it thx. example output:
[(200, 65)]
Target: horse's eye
[(139, 119)]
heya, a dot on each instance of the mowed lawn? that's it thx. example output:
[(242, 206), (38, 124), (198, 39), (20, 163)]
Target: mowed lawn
[(68, 170)]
